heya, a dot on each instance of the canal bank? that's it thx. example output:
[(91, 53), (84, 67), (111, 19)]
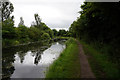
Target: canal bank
[(68, 64)]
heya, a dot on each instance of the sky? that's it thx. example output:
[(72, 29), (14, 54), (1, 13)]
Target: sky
[(56, 14)]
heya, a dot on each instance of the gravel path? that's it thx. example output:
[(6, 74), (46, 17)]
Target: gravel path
[(86, 71)]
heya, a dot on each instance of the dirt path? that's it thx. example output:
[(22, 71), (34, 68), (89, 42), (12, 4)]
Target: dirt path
[(86, 71)]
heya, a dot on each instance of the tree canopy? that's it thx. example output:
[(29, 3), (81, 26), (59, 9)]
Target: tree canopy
[(99, 24), (22, 34), (7, 9)]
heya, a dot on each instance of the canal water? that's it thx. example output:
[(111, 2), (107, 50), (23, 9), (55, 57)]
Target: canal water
[(32, 62)]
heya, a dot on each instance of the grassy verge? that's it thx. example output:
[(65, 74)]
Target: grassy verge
[(100, 64), (67, 65), (60, 37)]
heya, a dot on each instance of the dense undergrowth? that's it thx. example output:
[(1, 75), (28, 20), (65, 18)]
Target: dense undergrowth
[(100, 63)]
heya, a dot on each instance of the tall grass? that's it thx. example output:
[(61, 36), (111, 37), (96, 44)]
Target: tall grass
[(100, 63), (67, 65)]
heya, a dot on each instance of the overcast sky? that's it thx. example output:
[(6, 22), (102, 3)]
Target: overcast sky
[(55, 13)]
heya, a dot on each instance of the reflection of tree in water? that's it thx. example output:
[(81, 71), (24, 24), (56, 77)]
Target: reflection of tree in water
[(39, 53), (21, 55), (33, 52), (8, 57), (38, 57), (7, 66)]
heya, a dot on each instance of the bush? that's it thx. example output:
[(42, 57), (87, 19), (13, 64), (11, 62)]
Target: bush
[(45, 36)]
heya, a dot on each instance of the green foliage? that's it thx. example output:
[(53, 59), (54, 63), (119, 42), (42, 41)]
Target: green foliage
[(50, 32), (6, 8), (61, 32), (16, 42), (34, 34), (8, 29), (45, 36), (67, 65), (100, 63), (55, 32), (99, 24), (22, 34), (8, 32)]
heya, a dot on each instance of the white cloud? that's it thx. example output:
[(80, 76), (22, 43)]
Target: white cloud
[(55, 13)]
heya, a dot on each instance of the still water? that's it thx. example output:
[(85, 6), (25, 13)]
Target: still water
[(30, 63)]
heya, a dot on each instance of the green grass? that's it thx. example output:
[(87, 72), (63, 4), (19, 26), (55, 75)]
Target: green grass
[(100, 64), (67, 65), (60, 37)]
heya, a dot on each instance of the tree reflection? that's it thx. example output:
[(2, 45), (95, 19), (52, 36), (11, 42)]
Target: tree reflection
[(21, 55), (7, 66), (8, 57), (39, 53), (33, 52), (38, 57)]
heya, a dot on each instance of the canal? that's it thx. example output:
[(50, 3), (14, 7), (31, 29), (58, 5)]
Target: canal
[(31, 61)]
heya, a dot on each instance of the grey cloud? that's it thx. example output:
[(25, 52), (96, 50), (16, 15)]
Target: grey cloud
[(55, 13)]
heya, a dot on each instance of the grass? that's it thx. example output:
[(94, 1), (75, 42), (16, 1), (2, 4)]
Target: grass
[(67, 65), (100, 64), (60, 37)]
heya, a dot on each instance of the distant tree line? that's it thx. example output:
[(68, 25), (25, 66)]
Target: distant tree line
[(61, 32), (20, 34), (99, 25), (12, 35)]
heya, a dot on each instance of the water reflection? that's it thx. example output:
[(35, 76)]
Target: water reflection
[(7, 66), (31, 62), (38, 57)]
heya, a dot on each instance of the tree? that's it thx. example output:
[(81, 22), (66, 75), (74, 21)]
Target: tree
[(7, 9), (8, 29), (23, 34), (45, 36), (62, 32), (21, 22), (33, 23), (37, 19), (99, 24), (50, 32), (34, 34), (55, 32)]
